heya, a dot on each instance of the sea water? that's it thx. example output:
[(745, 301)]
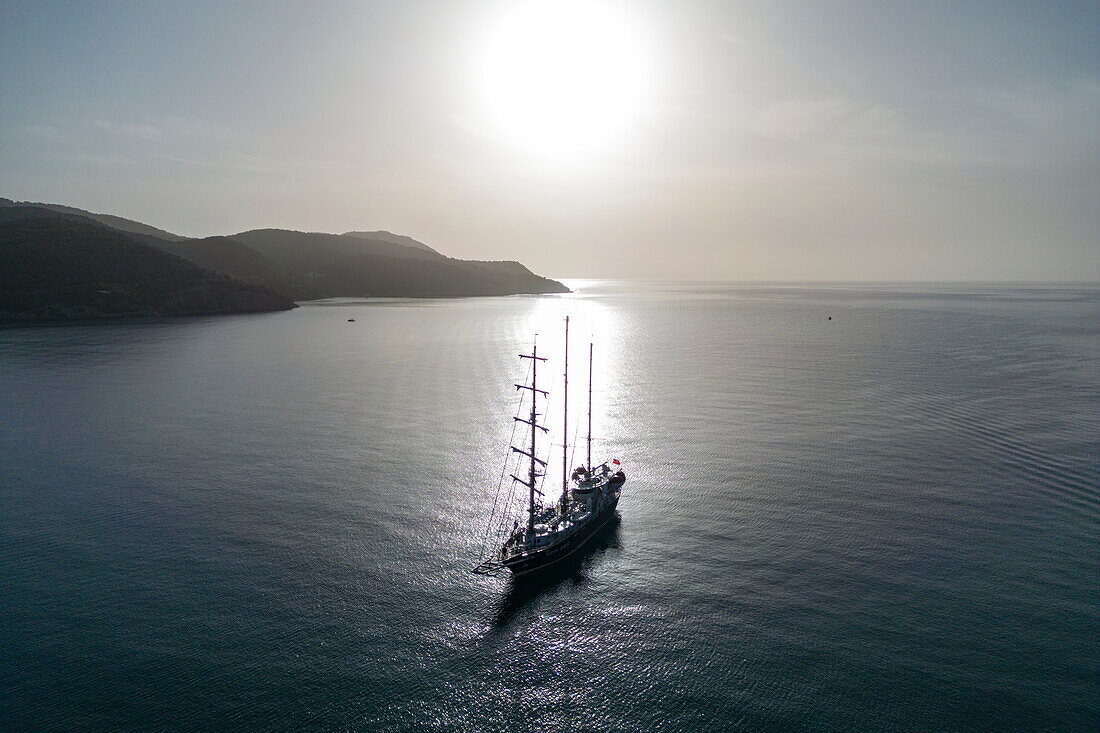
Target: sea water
[(848, 507)]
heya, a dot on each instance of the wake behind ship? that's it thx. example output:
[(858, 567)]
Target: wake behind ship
[(590, 494)]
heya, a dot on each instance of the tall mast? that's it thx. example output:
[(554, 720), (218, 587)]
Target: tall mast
[(589, 463), (565, 423), (533, 422), (534, 401)]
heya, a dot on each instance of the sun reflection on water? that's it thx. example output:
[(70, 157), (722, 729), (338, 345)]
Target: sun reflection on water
[(591, 321)]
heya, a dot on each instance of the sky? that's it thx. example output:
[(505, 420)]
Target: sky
[(737, 140)]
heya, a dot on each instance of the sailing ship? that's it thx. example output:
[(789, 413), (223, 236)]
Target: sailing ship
[(556, 530)]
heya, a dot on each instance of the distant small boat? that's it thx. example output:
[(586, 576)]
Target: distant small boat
[(351, 320), (555, 529)]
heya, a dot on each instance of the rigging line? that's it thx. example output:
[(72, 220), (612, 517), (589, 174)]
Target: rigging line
[(549, 448), (573, 452), (504, 469), (502, 512), (512, 510), (507, 511), (515, 500)]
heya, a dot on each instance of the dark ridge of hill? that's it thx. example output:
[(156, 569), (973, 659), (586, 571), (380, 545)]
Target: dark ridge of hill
[(230, 257), (383, 236), (339, 265), (115, 222), (504, 267), (63, 268), (299, 249)]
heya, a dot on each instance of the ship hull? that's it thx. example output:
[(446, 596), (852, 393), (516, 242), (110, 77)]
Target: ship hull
[(543, 559)]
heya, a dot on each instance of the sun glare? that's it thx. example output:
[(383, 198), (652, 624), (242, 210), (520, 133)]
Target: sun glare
[(563, 80)]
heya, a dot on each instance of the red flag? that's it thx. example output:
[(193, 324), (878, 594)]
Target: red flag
[(616, 462)]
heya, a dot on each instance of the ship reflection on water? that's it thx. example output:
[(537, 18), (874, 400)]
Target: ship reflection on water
[(524, 590)]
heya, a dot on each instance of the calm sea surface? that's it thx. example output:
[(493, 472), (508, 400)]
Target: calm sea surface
[(885, 521)]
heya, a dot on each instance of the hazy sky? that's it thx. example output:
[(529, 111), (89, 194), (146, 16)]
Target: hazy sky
[(720, 140)]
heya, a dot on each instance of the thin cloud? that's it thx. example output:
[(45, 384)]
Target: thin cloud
[(168, 129), (139, 131)]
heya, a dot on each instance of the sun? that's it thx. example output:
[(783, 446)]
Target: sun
[(563, 80)]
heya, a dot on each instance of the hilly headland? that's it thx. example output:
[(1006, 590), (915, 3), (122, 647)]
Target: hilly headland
[(63, 263)]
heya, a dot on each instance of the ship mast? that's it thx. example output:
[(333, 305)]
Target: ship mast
[(565, 423), (533, 422), (588, 465)]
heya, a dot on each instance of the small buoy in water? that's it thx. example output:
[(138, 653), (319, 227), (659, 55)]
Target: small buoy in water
[(351, 320), (830, 318)]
